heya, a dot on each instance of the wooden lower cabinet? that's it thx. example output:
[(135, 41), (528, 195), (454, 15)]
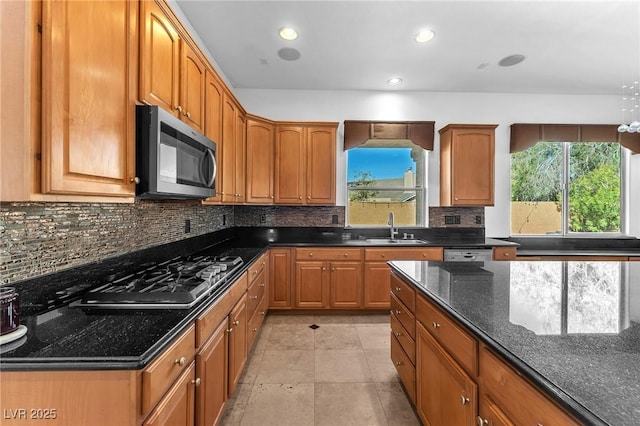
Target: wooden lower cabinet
[(211, 368), (237, 342), (376, 285), (445, 394), (491, 414), (177, 406), (312, 285), (280, 284), (346, 285)]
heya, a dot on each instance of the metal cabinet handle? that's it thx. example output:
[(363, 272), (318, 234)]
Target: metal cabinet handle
[(381, 254), (346, 255), (178, 108), (229, 330), (236, 322), (261, 285), (398, 363), (398, 334), (181, 362), (310, 254), (299, 197), (187, 114), (398, 312), (464, 400), (262, 313), (135, 180), (196, 382), (435, 325), (255, 330), (254, 298), (398, 289), (481, 421), (324, 269), (333, 269)]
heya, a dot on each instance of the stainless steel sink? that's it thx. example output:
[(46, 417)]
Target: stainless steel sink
[(396, 241)]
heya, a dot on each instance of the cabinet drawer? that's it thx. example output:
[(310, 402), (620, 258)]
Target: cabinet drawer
[(504, 253), (451, 336), (162, 372), (405, 340), (405, 368), (517, 397), (256, 292), (209, 320), (404, 316), (386, 254), (328, 254), (257, 267), (404, 292)]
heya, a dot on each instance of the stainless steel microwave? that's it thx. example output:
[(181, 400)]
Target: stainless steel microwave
[(173, 161)]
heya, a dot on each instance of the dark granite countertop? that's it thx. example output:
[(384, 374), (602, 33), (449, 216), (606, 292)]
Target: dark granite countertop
[(573, 328)]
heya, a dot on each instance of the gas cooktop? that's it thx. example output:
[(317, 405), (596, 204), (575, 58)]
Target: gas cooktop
[(178, 283)]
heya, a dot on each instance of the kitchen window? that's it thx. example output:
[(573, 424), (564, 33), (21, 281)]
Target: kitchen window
[(386, 176), (567, 188)]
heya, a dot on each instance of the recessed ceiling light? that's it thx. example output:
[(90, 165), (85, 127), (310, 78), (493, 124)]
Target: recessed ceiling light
[(394, 81), (288, 33), (425, 36), (511, 60)]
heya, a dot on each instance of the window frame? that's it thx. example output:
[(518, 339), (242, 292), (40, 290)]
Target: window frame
[(624, 197), (421, 188)]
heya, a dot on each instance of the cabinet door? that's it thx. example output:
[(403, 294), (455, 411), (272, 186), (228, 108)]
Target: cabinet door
[(312, 285), (377, 284), (88, 118), (491, 414), (320, 182), (227, 187), (472, 158), (213, 126), (346, 285), (280, 278), (159, 58), (192, 88), (177, 406), (290, 165), (237, 342), (260, 153), (445, 392), (240, 157), (211, 363)]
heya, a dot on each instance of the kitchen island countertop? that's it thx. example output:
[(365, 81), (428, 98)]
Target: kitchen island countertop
[(572, 328)]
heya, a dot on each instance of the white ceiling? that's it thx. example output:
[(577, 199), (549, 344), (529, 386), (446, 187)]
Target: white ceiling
[(571, 47)]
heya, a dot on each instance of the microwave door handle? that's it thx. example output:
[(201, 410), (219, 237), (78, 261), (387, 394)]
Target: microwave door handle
[(208, 155)]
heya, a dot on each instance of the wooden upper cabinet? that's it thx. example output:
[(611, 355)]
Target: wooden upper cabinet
[(260, 158), (172, 75), (227, 177), (467, 158), (159, 58), (240, 168), (213, 96), (305, 163), (192, 86), (89, 64), (321, 165), (290, 165)]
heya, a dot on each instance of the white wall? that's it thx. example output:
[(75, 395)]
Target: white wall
[(445, 108)]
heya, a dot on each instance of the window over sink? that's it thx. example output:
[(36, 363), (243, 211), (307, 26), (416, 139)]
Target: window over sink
[(386, 176)]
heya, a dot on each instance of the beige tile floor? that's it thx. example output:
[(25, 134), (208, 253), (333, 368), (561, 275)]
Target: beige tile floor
[(337, 375)]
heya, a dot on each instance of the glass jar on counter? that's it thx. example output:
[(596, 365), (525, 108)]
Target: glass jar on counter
[(9, 310)]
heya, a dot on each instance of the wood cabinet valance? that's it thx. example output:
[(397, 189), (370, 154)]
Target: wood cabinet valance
[(358, 132), (525, 135)]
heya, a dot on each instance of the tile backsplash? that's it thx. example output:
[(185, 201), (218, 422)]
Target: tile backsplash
[(39, 238), (456, 217)]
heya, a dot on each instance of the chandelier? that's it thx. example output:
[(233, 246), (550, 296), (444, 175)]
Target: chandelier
[(630, 105)]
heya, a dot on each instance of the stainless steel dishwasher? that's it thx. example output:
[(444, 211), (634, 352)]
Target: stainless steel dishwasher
[(467, 255)]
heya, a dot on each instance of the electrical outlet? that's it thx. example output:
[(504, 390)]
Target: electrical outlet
[(478, 220), (452, 219), (187, 226), (263, 218), (334, 219)]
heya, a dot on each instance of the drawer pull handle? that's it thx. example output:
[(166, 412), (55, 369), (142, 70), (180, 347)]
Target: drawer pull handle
[(310, 254), (255, 272), (482, 422), (263, 263), (398, 312), (229, 330), (236, 322), (464, 400), (181, 362), (398, 363), (197, 381), (382, 255), (346, 255), (255, 330), (398, 289), (398, 334), (262, 313), (435, 325), (261, 285), (254, 298)]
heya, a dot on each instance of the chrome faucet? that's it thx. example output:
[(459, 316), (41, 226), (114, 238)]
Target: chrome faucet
[(394, 231)]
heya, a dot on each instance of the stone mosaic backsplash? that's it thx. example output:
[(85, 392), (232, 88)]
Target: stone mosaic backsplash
[(39, 238), (456, 217)]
